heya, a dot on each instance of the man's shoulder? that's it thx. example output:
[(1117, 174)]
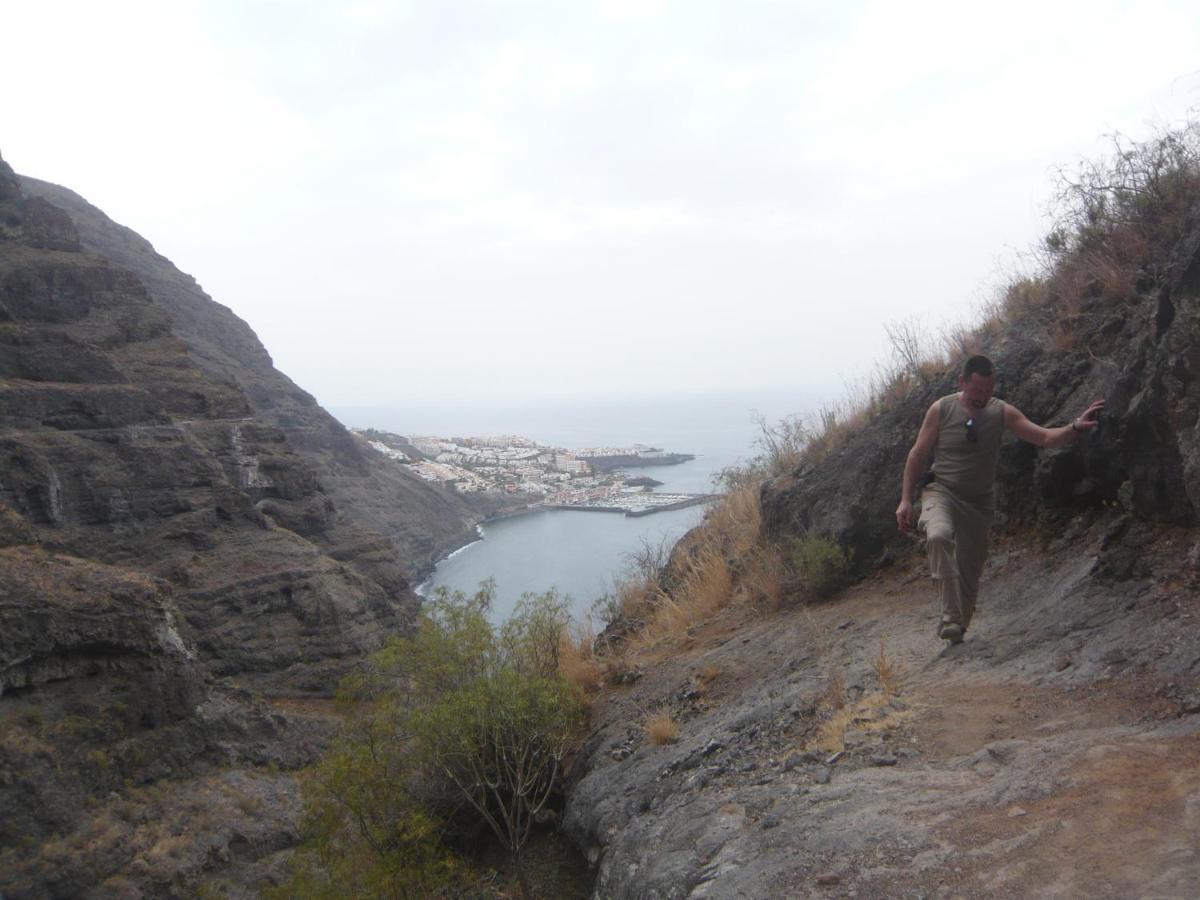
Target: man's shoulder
[(941, 404)]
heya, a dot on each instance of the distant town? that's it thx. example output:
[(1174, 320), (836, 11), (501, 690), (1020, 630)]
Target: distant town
[(550, 477)]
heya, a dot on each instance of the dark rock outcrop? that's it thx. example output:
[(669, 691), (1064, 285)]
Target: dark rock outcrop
[(1145, 457)]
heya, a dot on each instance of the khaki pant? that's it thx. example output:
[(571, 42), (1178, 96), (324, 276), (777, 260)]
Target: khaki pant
[(956, 539)]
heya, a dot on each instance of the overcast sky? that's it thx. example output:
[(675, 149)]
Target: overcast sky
[(548, 200)]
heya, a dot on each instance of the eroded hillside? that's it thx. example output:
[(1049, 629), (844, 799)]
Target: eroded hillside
[(836, 748), (185, 534)]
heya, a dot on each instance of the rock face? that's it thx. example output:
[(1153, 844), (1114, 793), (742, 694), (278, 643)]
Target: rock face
[(1016, 760), (1141, 354), (1000, 767), (423, 521), (183, 532)]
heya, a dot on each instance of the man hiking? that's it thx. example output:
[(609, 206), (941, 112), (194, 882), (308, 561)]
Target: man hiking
[(963, 430)]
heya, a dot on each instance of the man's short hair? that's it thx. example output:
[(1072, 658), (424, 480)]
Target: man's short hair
[(977, 365)]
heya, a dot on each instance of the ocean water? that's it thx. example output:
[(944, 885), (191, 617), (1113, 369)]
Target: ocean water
[(582, 553)]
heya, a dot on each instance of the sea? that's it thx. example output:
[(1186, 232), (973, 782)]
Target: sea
[(582, 554)]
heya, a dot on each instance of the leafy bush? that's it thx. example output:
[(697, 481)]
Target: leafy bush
[(820, 563), (460, 726)]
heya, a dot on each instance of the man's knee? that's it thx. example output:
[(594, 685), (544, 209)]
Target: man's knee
[(939, 537)]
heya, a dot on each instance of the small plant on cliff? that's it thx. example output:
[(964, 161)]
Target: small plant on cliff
[(820, 563), (463, 725), (662, 728), (890, 672)]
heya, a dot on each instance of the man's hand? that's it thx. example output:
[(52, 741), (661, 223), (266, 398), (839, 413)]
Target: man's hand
[(904, 516), (1090, 418)]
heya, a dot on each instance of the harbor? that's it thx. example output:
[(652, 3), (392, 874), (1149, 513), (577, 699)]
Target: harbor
[(633, 505)]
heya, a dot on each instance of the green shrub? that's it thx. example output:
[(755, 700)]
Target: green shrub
[(820, 563), (462, 724)]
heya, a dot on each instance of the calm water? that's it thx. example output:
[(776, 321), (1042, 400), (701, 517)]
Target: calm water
[(582, 553)]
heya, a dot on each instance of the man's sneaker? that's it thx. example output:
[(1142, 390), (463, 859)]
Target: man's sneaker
[(952, 632)]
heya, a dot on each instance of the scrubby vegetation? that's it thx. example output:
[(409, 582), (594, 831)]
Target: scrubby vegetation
[(461, 730), (662, 728), (726, 561), (453, 736), (1115, 225)]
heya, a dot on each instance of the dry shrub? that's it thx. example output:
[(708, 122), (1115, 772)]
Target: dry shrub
[(735, 522), (705, 588), (834, 697), (662, 728), (890, 672), (871, 713), (634, 597), (763, 577), (169, 847), (831, 735), (617, 665), (1022, 296), (577, 659), (1117, 222), (707, 674)]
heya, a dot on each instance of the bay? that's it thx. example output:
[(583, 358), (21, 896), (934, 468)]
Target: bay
[(582, 553)]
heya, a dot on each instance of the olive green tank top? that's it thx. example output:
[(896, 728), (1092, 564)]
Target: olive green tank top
[(965, 457)]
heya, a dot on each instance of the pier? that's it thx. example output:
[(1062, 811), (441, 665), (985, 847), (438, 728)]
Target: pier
[(634, 505)]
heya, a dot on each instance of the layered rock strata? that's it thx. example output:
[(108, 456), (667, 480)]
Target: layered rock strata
[(178, 541)]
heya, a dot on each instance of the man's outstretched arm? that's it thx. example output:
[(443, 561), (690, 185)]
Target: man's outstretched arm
[(918, 456), (1015, 421)]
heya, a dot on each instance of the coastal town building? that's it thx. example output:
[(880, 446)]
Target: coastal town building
[(553, 477)]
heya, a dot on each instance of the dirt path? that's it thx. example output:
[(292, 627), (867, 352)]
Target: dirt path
[(1032, 761)]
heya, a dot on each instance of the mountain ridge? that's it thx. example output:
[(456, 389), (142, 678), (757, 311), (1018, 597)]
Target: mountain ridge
[(193, 553)]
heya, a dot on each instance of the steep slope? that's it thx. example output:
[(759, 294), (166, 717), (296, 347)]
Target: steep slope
[(839, 750), (1056, 753), (170, 556), (423, 521), (118, 447)]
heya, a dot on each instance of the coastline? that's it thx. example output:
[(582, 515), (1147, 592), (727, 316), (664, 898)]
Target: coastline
[(422, 588), (426, 574)]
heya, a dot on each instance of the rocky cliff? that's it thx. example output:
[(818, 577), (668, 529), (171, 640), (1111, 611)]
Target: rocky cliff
[(184, 534), (424, 522), (839, 750), (1138, 351)]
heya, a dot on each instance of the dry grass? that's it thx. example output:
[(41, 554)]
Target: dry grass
[(830, 736), (662, 728), (706, 586), (834, 697), (577, 659), (702, 679), (763, 577), (889, 671), (735, 522), (871, 713), (1116, 223)]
